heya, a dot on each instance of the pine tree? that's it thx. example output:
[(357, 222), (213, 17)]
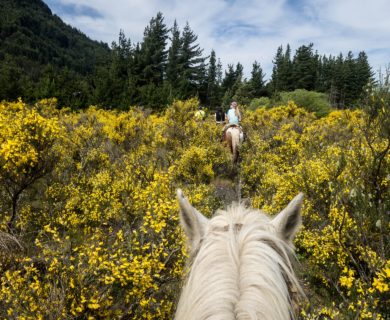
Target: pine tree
[(219, 72), (212, 82), (243, 92), (172, 73), (337, 90), (239, 72), (151, 60), (153, 52), (364, 71), (191, 66), (350, 80), (232, 82), (229, 78), (121, 66), (257, 83), (281, 79), (304, 67)]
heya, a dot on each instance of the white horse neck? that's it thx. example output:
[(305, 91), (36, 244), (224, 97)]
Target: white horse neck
[(241, 270)]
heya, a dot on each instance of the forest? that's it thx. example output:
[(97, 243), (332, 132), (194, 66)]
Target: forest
[(41, 57)]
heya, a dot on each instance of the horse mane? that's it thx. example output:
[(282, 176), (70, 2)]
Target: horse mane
[(240, 269)]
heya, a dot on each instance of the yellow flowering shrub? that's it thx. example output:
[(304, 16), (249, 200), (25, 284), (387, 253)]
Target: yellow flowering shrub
[(99, 229), (26, 150), (334, 162)]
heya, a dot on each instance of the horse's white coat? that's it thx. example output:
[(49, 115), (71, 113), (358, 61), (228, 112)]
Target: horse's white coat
[(233, 134), (240, 268)]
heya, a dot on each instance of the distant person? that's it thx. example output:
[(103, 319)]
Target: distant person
[(219, 115), (200, 114), (233, 118), (233, 114)]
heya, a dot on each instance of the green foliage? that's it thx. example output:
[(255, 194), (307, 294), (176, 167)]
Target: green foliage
[(257, 82), (343, 79), (31, 39), (153, 53), (213, 84), (259, 103), (309, 100), (42, 57), (304, 68), (174, 57)]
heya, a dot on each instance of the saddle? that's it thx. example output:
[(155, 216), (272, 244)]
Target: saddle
[(232, 125)]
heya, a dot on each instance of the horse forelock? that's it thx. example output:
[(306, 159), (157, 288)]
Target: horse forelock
[(240, 270)]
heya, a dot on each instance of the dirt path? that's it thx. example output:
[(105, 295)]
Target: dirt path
[(228, 187)]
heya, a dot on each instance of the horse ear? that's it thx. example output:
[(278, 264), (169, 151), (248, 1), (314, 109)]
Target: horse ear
[(288, 221), (192, 220)]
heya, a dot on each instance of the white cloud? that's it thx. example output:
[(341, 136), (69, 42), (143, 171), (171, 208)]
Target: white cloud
[(248, 30)]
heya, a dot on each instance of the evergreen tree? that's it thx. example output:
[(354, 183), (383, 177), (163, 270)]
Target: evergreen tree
[(350, 85), (232, 82), (153, 52), (112, 87), (219, 72), (121, 65), (277, 74), (337, 92), (304, 67), (191, 67), (281, 79), (243, 93), (287, 70), (324, 73), (239, 72), (364, 71), (257, 83), (172, 73), (151, 63), (229, 78), (212, 81)]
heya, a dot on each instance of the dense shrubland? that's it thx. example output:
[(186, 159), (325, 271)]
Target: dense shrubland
[(88, 213)]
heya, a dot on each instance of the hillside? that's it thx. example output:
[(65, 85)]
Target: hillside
[(42, 57), (35, 43)]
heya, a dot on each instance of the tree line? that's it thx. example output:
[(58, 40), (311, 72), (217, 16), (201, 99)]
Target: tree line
[(167, 64), (153, 74)]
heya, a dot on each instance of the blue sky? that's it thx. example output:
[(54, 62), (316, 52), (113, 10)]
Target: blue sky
[(245, 30)]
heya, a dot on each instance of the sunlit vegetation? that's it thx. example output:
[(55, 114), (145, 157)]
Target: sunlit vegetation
[(89, 219)]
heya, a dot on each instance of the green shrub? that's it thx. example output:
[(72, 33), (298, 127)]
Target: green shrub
[(311, 101), (259, 103)]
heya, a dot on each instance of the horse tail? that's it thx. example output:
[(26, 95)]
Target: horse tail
[(229, 140), (235, 141), (235, 152)]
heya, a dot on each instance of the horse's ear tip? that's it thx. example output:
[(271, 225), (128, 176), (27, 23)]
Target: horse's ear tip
[(298, 199), (179, 193)]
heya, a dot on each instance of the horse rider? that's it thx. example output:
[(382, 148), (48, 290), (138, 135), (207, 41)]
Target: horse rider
[(234, 118), (200, 114), (219, 116)]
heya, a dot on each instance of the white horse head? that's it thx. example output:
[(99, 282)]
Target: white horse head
[(240, 264)]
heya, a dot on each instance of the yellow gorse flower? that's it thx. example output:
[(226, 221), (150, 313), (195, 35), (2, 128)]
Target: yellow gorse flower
[(100, 224)]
